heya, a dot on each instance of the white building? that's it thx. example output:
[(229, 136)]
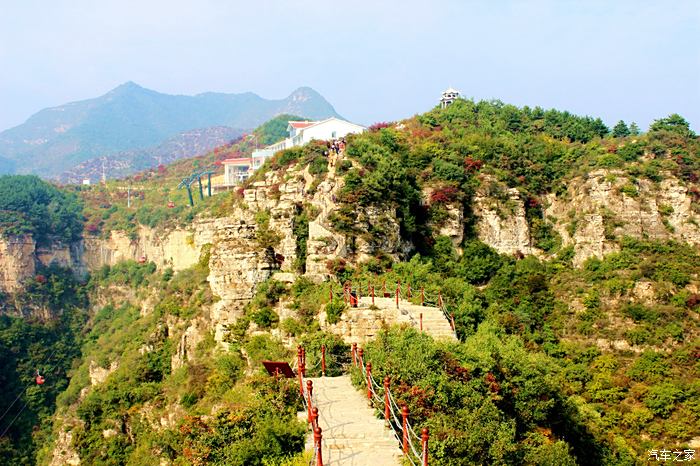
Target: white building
[(448, 96), (300, 132)]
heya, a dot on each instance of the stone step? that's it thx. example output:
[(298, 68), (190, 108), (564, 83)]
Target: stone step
[(352, 434)]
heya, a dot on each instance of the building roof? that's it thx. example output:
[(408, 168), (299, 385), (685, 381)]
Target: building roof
[(301, 124), (450, 90), (238, 161)]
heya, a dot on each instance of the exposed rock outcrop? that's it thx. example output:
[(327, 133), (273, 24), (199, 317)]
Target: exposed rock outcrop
[(606, 205), (17, 261)]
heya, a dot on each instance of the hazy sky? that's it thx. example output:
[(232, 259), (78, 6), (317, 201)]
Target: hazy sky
[(373, 60)]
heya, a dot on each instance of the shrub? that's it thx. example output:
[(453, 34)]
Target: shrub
[(334, 310)]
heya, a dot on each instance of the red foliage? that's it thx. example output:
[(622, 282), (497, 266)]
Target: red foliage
[(420, 133), (472, 165), (162, 169), (533, 203), (444, 195), (693, 301), (612, 149), (40, 278), (379, 125), (336, 266), (494, 386), (92, 227)]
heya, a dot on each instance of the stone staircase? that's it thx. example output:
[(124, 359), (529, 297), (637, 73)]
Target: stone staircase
[(352, 434), (363, 322)]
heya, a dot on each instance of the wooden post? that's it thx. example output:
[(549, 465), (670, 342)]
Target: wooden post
[(439, 298), (323, 360), (360, 358), (387, 405), (372, 295), (398, 290), (424, 437), (354, 354), (330, 293), (409, 290), (452, 321), (422, 296), (404, 428), (369, 382), (421, 321), (310, 391), (317, 444), (314, 417), (301, 383), (384, 287)]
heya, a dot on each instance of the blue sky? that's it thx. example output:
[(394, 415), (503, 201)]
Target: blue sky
[(373, 60)]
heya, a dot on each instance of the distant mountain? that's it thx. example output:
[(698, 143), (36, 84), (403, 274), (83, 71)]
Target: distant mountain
[(188, 144), (131, 118)]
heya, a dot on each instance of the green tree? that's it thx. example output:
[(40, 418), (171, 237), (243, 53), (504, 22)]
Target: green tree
[(673, 123), (621, 130), (634, 129), (30, 205)]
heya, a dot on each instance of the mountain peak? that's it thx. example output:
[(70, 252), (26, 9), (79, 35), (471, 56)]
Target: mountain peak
[(126, 88), (304, 91)]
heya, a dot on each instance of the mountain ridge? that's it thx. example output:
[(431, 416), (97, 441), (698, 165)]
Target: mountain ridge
[(131, 118)]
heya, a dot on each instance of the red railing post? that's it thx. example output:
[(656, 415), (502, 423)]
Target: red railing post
[(424, 437), (369, 382), (439, 298), (323, 360), (314, 417), (398, 290), (330, 293), (345, 293), (422, 296), (310, 390), (384, 287), (372, 295), (317, 443), (360, 358), (387, 405), (354, 354), (404, 428), (421, 321), (452, 321), (301, 383), (408, 291), (303, 362)]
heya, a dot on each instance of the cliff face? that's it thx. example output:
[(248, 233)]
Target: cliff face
[(592, 214), (17, 261), (606, 205), (589, 215)]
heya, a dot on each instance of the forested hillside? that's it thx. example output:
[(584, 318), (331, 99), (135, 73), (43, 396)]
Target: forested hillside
[(578, 343)]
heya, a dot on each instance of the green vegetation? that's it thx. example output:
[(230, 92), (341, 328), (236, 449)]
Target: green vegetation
[(275, 130), (28, 345), (554, 364), (29, 205)]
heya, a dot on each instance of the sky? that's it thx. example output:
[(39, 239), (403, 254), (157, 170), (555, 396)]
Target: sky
[(373, 60)]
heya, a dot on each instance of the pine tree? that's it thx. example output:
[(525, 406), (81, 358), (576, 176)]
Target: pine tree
[(621, 130), (634, 129)]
